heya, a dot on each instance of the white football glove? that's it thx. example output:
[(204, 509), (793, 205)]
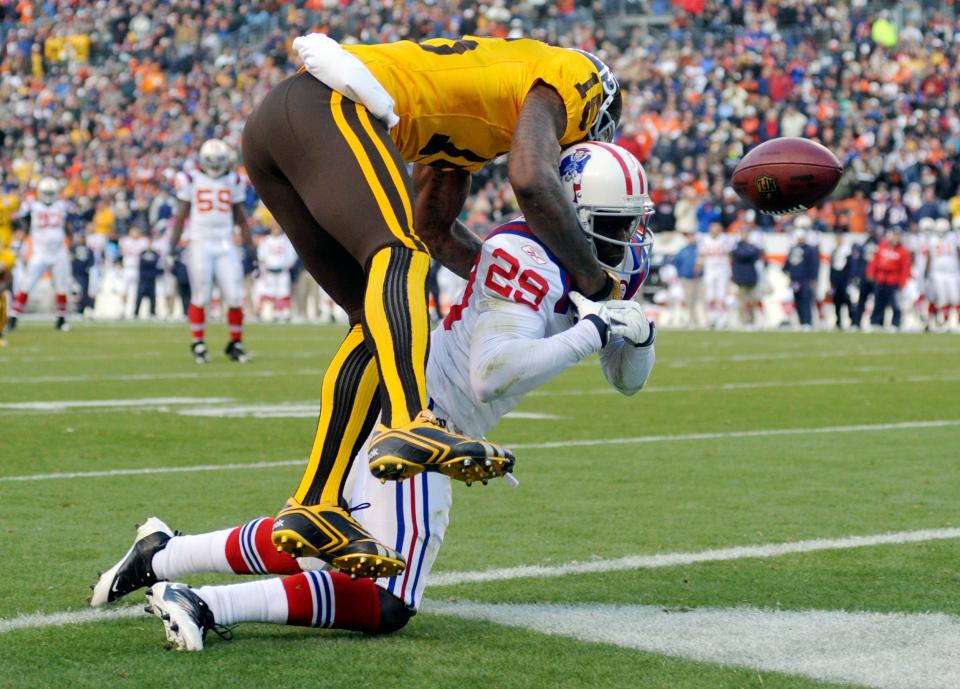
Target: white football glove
[(623, 318)]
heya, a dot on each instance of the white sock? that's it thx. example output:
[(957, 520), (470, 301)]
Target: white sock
[(185, 555), (255, 601)]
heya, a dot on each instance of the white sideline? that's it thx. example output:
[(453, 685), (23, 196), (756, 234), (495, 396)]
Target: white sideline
[(882, 650), (207, 372), (441, 579), (637, 440), (63, 405)]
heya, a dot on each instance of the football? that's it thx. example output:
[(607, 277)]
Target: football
[(786, 175)]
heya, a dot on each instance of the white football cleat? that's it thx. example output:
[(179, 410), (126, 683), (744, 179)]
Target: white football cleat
[(135, 569), (186, 617)]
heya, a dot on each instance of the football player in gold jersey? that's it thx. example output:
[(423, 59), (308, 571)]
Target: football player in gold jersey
[(327, 151), (9, 209), (7, 261)]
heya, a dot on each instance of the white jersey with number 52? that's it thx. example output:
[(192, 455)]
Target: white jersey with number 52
[(211, 202), (48, 223)]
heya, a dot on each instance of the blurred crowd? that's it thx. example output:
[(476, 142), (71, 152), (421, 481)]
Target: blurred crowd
[(113, 98)]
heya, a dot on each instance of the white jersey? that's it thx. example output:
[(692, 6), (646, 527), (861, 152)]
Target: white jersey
[(211, 202), (513, 330), (48, 225), (130, 250), (942, 252), (714, 253), (276, 253)]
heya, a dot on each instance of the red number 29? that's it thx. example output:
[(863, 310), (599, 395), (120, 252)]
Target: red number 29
[(530, 289)]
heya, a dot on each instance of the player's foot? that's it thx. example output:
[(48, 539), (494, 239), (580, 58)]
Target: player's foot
[(11, 324), (426, 444), (327, 531), (199, 351), (236, 351), (135, 569), (186, 617)]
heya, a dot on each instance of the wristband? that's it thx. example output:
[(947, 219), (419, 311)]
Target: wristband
[(650, 338), (602, 328)]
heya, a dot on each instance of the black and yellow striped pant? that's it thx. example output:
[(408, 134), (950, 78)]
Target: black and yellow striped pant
[(334, 180)]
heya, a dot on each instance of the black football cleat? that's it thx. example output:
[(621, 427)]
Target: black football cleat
[(236, 352), (61, 324), (426, 444), (199, 351), (329, 532), (186, 617), (11, 324), (135, 569)]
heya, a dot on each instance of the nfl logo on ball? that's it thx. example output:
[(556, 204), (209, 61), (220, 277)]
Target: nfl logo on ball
[(766, 186)]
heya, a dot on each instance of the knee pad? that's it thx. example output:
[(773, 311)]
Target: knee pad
[(394, 613)]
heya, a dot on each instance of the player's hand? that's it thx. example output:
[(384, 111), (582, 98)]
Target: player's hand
[(615, 317), (628, 320)]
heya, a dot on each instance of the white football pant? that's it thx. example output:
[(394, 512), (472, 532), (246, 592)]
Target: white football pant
[(57, 263), (276, 285), (946, 289), (219, 260)]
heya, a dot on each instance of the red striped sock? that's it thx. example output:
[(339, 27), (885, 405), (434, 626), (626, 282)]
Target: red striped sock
[(235, 323), (61, 300), (197, 318), (249, 550), (19, 301), (332, 599)]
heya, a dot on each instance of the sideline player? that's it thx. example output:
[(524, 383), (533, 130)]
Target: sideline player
[(46, 218), (713, 255), (212, 197), (7, 261), (332, 171), (276, 256), (943, 269), (512, 331)]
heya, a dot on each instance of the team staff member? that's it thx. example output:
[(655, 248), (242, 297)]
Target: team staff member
[(890, 270), (332, 172)]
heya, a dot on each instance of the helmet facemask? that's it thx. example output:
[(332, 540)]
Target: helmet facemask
[(614, 232)]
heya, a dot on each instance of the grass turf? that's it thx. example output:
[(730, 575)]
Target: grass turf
[(574, 503)]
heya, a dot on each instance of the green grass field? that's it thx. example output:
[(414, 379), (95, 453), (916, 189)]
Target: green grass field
[(740, 440)]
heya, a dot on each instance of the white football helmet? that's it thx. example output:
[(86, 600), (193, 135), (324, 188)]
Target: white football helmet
[(608, 187), (926, 225), (941, 226), (48, 189), (215, 157)]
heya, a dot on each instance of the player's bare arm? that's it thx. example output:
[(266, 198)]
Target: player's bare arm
[(535, 179), (179, 220), (440, 195), (240, 220)]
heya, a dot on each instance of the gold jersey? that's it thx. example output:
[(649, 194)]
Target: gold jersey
[(458, 100), (9, 205)]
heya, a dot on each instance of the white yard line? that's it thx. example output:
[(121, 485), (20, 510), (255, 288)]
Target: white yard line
[(632, 562), (300, 410), (730, 387), (208, 372), (637, 440), (882, 650), (64, 405)]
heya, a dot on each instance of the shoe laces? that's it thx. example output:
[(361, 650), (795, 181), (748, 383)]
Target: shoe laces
[(350, 509), (223, 631)]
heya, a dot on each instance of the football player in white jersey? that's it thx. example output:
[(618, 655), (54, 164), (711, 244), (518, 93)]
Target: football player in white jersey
[(943, 270), (276, 257), (517, 325), (713, 254), (131, 246), (212, 199), (46, 218)]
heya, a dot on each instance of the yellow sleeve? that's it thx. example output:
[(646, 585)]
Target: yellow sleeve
[(576, 81)]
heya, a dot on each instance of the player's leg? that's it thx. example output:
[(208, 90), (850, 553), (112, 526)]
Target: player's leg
[(36, 267), (365, 204), (228, 271), (316, 520), (199, 262)]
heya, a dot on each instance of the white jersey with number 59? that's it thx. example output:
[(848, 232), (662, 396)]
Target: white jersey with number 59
[(48, 222), (211, 202)]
